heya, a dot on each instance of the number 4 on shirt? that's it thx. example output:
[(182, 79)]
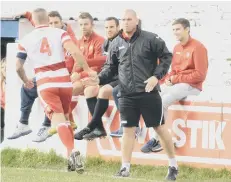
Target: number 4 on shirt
[(45, 48)]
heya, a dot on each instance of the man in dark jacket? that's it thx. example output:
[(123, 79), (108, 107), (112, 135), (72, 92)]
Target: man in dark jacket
[(133, 56)]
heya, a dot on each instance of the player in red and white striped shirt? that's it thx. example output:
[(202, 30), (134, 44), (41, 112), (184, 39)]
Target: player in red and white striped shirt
[(44, 47)]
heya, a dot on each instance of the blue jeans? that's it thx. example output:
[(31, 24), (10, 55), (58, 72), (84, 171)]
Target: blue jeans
[(28, 97)]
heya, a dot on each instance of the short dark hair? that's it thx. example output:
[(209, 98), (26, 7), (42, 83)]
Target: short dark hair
[(113, 18), (55, 14), (86, 15), (184, 22)]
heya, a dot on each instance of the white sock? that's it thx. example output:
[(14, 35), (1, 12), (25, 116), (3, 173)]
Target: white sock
[(126, 165), (173, 163), (22, 125), (156, 136)]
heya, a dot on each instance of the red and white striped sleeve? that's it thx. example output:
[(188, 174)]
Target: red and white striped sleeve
[(21, 48), (65, 37)]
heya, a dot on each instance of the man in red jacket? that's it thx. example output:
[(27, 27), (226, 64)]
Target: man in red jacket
[(98, 104), (189, 69), (91, 46)]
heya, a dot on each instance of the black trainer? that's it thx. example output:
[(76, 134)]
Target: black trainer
[(79, 135), (96, 133), (172, 173), (157, 147), (152, 145)]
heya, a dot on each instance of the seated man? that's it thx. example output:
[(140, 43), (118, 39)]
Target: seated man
[(28, 96), (98, 107), (91, 47), (189, 69)]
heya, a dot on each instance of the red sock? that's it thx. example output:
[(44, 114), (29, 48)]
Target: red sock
[(66, 135), (73, 105), (71, 118)]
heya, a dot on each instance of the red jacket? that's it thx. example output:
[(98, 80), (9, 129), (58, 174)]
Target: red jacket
[(68, 58), (189, 64), (92, 51)]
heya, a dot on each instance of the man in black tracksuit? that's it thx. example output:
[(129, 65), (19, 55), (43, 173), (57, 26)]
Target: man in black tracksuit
[(133, 56)]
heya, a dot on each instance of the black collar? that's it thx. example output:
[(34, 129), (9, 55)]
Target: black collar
[(107, 42), (113, 38), (135, 35)]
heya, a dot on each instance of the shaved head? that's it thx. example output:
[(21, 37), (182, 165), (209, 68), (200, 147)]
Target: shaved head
[(131, 11), (129, 21), (40, 17)]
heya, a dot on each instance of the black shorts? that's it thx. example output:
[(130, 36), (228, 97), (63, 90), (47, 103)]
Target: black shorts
[(149, 105), (114, 83)]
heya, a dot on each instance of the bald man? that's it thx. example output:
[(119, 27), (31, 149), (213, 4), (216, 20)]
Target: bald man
[(133, 56), (45, 48)]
